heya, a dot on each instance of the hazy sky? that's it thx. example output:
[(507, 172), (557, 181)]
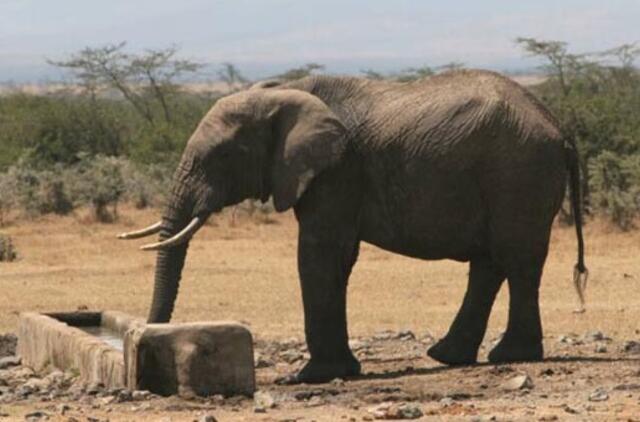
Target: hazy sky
[(264, 37)]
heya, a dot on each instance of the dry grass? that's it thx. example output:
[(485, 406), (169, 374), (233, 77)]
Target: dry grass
[(248, 273)]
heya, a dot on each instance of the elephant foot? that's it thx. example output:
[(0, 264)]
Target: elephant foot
[(508, 351), (319, 372), (452, 353)]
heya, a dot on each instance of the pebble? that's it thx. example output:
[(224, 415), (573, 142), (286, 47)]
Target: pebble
[(631, 346), (262, 361), (9, 361), (593, 336), (38, 415), (519, 382), (570, 339), (263, 400), (600, 348), (63, 408), (207, 418), (291, 356), (599, 394), (390, 410), (140, 395)]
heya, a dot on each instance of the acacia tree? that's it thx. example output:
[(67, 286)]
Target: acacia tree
[(301, 72), (596, 97), (146, 80), (232, 76)]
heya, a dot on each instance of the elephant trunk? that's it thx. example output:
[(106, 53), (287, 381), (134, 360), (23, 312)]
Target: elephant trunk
[(170, 261), (169, 264)]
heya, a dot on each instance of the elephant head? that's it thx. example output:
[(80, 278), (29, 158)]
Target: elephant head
[(253, 144)]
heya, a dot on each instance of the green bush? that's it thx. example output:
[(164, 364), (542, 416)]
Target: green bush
[(615, 182), (99, 182), (7, 250)]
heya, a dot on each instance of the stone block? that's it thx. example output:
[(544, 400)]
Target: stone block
[(201, 358)]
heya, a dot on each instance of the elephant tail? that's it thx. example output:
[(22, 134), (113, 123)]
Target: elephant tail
[(580, 271)]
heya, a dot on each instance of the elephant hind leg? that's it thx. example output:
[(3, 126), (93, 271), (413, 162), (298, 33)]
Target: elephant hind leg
[(460, 345), (522, 340), (522, 252)]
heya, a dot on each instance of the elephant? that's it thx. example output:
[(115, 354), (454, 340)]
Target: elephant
[(464, 165)]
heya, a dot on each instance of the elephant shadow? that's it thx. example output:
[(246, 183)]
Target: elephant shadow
[(369, 376)]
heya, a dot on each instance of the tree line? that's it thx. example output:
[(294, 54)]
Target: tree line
[(116, 131)]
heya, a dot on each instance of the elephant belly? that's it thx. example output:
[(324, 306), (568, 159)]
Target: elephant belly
[(444, 218)]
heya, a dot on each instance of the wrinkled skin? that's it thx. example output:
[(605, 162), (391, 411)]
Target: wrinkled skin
[(466, 166)]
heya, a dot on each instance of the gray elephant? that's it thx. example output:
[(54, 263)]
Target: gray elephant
[(465, 165)]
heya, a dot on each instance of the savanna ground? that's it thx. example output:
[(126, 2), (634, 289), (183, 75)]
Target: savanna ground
[(247, 272)]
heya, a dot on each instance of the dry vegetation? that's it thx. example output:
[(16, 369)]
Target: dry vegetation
[(247, 271)]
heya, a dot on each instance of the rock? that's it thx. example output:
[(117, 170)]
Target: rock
[(9, 361), (383, 335), (38, 384), (263, 400), (57, 377), (600, 348), (569, 409), (203, 358), (519, 382), (63, 408), (446, 401), (105, 401), (94, 388), (22, 373), (8, 343), (291, 356), (38, 415), (631, 346), (207, 418), (261, 361), (570, 339), (389, 410), (599, 394), (337, 382), (140, 395), (314, 401), (124, 396), (594, 336), (427, 338), (405, 335), (357, 345)]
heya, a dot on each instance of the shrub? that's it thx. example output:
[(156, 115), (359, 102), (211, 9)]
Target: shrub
[(7, 250), (34, 192), (146, 185), (6, 197), (615, 183), (99, 183)]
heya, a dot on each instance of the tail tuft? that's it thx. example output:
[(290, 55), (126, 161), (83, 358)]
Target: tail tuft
[(580, 277)]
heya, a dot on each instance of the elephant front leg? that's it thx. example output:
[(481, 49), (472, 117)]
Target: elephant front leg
[(460, 345), (325, 259)]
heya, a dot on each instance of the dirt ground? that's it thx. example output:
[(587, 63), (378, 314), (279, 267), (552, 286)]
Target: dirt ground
[(397, 307)]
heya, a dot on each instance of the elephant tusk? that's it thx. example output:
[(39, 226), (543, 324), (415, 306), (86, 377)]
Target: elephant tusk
[(181, 237), (147, 231)]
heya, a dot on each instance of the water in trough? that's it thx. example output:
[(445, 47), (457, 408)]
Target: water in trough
[(111, 337)]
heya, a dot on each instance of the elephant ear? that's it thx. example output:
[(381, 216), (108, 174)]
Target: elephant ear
[(308, 138)]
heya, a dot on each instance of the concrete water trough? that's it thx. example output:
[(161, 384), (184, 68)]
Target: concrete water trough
[(120, 351)]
